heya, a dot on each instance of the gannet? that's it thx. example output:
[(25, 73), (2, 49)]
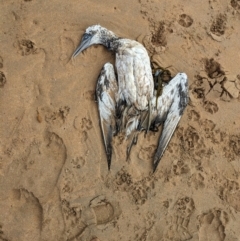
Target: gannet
[(135, 80), (167, 110)]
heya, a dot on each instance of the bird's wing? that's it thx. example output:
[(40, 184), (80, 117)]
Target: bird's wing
[(171, 105), (106, 93)]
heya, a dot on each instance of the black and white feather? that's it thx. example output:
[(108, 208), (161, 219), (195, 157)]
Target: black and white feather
[(129, 103), (135, 81), (168, 111), (106, 92), (170, 107)]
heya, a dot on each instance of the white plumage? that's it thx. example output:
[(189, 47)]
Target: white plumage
[(129, 104), (132, 62), (134, 74)]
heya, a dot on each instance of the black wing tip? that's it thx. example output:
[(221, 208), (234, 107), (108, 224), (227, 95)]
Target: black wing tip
[(157, 159), (155, 165), (109, 159)]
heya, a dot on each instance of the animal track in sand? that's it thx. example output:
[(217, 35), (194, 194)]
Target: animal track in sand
[(86, 124), (146, 153), (199, 92), (142, 190), (210, 106), (185, 20), (159, 34), (191, 138), (228, 191), (234, 144), (139, 195), (139, 191), (208, 127), (2, 235), (211, 132), (177, 229), (199, 87), (213, 68), (197, 180), (90, 95), (232, 150), (123, 178), (232, 194), (2, 79), (55, 117), (1, 62), (180, 168), (235, 4), (218, 26), (78, 162), (83, 125), (212, 225), (194, 115), (27, 47)]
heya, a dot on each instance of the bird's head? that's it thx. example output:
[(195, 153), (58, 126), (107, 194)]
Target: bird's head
[(94, 34)]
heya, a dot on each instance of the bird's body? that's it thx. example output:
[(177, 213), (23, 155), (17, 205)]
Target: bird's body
[(133, 66), (127, 101), (134, 74)]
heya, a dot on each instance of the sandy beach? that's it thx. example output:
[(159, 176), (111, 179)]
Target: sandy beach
[(54, 180)]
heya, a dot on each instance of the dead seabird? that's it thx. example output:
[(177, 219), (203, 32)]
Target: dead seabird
[(131, 100), (166, 110), (135, 81)]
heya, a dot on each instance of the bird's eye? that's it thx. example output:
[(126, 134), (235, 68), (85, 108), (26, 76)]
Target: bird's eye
[(86, 36)]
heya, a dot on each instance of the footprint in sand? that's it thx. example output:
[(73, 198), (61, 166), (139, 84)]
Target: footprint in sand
[(146, 153), (218, 26), (177, 229), (1, 62), (235, 4), (194, 115), (210, 106), (99, 212), (159, 34), (67, 46), (185, 20), (2, 235), (83, 125), (25, 216), (191, 138), (180, 168), (212, 225), (197, 180), (213, 68), (2, 79), (27, 47), (53, 116), (90, 95), (234, 144)]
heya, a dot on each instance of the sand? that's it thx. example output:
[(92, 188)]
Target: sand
[(54, 182)]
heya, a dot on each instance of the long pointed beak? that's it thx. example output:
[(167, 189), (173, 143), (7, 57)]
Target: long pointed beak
[(85, 43)]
